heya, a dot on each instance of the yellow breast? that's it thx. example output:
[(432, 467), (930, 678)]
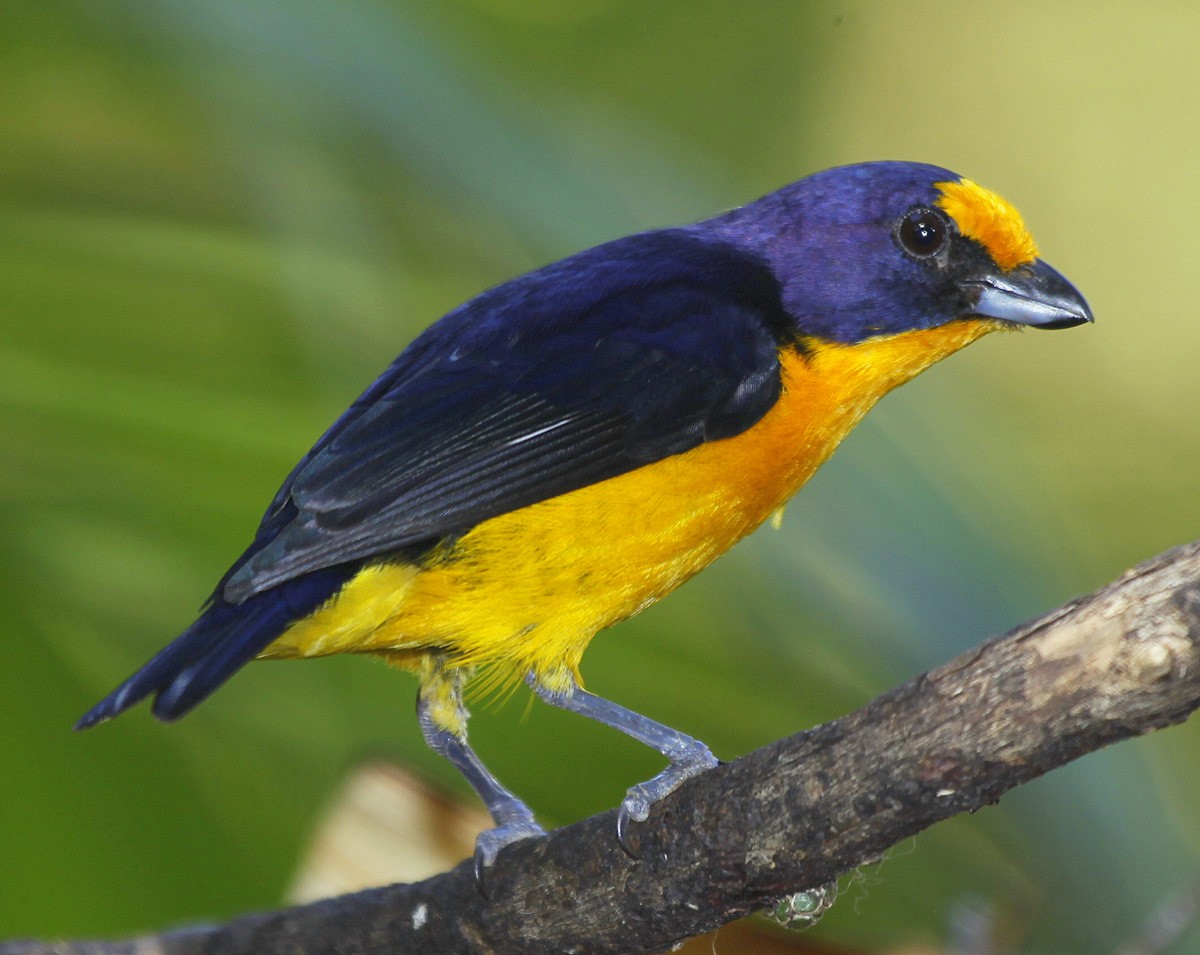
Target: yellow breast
[(528, 589)]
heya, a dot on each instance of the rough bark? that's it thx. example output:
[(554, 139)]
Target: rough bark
[(1120, 662)]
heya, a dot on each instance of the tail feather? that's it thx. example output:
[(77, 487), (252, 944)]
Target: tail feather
[(236, 646), (224, 638)]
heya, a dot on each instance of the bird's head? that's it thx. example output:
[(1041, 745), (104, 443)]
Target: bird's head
[(880, 249)]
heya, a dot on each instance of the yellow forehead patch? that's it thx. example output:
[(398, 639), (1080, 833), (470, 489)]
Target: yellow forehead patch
[(990, 220)]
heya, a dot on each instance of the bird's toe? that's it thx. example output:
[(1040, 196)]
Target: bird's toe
[(491, 841)]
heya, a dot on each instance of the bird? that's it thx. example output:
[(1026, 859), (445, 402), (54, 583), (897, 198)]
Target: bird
[(567, 448)]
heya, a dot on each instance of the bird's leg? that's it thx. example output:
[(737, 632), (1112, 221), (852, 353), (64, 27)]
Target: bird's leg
[(443, 720), (689, 757)]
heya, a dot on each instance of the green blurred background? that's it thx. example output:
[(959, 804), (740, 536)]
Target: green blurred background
[(219, 219)]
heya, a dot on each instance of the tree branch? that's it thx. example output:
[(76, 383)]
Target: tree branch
[(1120, 662)]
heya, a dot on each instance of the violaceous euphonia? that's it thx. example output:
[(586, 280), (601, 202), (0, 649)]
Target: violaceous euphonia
[(565, 449)]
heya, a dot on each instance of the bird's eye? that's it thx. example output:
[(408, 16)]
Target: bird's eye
[(922, 232)]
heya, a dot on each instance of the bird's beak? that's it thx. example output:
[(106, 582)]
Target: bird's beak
[(1033, 294)]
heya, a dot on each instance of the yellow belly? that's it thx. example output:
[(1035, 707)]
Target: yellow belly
[(526, 591)]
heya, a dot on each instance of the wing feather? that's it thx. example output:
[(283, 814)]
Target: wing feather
[(594, 366)]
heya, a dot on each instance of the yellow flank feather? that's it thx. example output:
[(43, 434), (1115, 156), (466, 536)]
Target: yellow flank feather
[(989, 219), (527, 590), (346, 621)]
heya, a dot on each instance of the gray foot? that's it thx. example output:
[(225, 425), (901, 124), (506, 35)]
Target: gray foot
[(491, 841), (687, 762)]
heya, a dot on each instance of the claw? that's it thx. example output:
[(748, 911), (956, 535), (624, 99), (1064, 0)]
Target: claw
[(624, 834), (635, 807), (491, 841)]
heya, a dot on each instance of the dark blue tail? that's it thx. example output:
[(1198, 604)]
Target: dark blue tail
[(212, 649)]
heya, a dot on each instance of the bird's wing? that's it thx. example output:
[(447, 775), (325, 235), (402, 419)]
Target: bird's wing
[(595, 366)]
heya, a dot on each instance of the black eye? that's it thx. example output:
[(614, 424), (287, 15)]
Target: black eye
[(922, 232)]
